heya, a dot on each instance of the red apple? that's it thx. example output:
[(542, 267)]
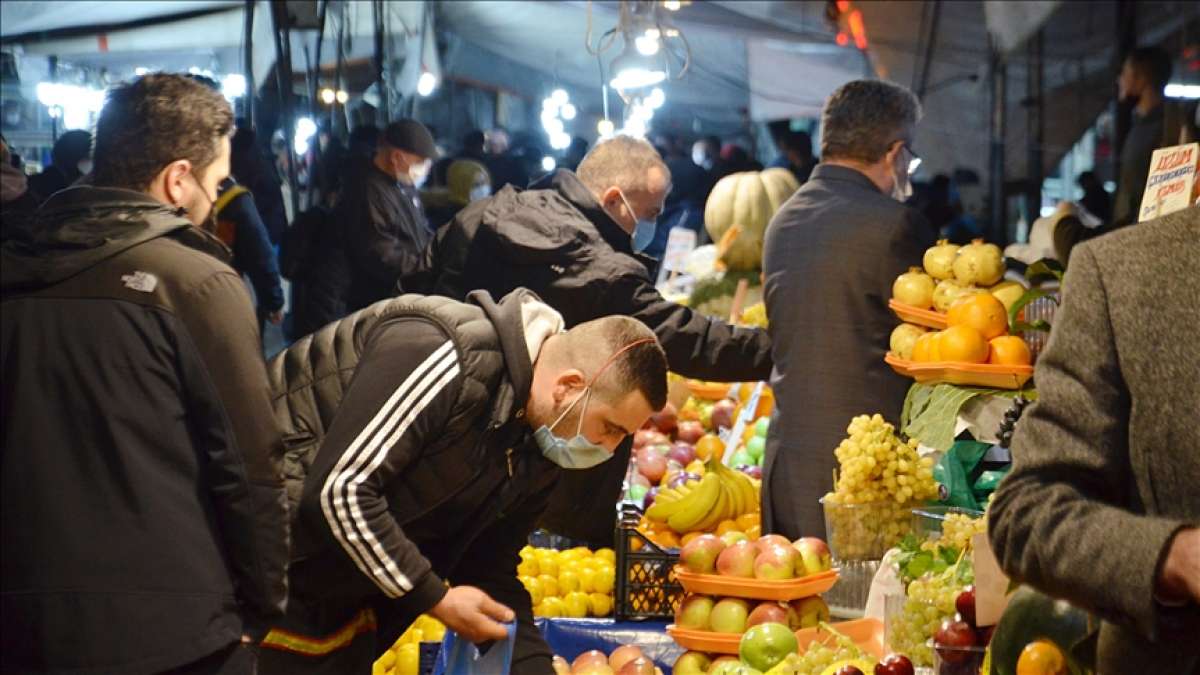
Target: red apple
[(983, 636), (695, 612), (689, 431), (700, 554), (640, 479), (589, 658), (733, 536), (775, 563), (560, 665), (682, 452), (645, 437), (729, 616), (810, 611), (767, 612), (772, 541), (722, 414), (894, 664), (737, 560), (814, 556), (665, 420), (955, 636), (622, 655), (752, 471), (638, 666), (849, 670), (651, 464), (965, 604), (648, 500)]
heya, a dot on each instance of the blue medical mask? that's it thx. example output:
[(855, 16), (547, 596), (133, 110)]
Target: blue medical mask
[(643, 231), (576, 453)]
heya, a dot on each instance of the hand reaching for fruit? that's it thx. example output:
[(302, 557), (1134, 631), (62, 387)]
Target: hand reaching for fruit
[(473, 614), (1180, 576)]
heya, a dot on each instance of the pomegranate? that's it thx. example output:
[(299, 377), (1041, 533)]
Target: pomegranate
[(939, 259), (904, 338), (915, 288), (979, 263)]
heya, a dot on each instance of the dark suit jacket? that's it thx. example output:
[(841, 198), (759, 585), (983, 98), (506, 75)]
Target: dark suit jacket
[(830, 257), (1106, 465)]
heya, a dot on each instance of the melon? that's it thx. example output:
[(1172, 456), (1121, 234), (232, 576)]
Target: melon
[(738, 210), (1032, 615)]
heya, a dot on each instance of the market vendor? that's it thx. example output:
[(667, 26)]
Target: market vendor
[(437, 458), (830, 257), (574, 239)]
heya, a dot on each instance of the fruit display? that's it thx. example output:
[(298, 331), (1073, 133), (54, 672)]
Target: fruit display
[(770, 558), (755, 315), (576, 583), (720, 495), (738, 210), (880, 478), (951, 272), (976, 332), (404, 657), (930, 616), (1036, 633)]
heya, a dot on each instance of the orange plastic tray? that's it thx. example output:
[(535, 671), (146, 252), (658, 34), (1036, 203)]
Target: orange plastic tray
[(969, 374), (705, 641), (921, 317), (866, 633), (756, 589), (709, 391)]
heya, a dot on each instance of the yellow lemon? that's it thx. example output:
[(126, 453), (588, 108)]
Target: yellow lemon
[(568, 582), (600, 604), (533, 587), (587, 579), (549, 585), (386, 660), (604, 581), (548, 563), (552, 607), (436, 632), (528, 568), (576, 605), (408, 660)]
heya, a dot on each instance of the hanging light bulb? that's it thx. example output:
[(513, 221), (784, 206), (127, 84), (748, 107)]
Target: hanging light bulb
[(568, 112), (342, 96), (328, 96), (427, 83), (656, 99), (632, 70), (605, 128), (548, 163)]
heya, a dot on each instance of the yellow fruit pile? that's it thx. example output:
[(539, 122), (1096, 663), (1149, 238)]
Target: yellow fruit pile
[(700, 505), (404, 658), (755, 315), (957, 531), (575, 583)]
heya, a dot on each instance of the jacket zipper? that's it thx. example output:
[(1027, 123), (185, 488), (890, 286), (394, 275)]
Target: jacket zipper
[(508, 455)]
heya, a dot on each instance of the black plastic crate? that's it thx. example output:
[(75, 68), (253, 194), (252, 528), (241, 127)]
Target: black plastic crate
[(646, 587)]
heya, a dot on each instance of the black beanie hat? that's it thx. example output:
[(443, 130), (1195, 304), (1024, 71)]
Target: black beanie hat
[(410, 136)]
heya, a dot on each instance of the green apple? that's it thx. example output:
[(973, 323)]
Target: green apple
[(729, 615), (767, 644), (762, 426), (756, 446), (811, 611), (694, 612), (692, 663)]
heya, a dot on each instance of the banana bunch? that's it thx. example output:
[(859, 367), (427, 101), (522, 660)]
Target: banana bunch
[(698, 506)]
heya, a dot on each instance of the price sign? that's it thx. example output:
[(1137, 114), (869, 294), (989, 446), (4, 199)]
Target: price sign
[(1169, 186)]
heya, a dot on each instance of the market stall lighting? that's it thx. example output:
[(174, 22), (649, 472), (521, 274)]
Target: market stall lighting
[(74, 104), (568, 112), (560, 141), (671, 5), (548, 163), (1174, 90), (647, 43), (328, 96), (605, 128), (342, 96), (656, 99), (306, 128), (632, 70), (559, 97), (140, 71), (233, 86), (553, 126), (427, 83)]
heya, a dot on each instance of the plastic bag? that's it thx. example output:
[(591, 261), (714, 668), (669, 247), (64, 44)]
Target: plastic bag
[(461, 657), (954, 472)]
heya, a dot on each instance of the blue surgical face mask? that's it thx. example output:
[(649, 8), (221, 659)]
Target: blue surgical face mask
[(576, 453), (643, 231)]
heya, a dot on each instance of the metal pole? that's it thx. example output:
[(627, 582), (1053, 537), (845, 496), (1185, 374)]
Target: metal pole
[(929, 47), (341, 59), (248, 62), (283, 77), (53, 119), (384, 103), (1126, 42), (1035, 128), (314, 75), (997, 76)]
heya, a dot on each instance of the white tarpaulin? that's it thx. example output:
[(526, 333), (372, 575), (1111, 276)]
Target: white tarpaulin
[(1011, 23), (793, 80)]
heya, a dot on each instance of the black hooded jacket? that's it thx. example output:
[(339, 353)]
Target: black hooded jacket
[(144, 516)]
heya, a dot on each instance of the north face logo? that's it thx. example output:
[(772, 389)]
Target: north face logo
[(140, 281)]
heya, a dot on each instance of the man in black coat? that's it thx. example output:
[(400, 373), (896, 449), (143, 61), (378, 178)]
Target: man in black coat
[(569, 239), (442, 428), (830, 256), (144, 519), (69, 161), (385, 226)]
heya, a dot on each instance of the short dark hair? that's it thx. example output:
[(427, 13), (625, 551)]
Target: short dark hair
[(863, 118), (1153, 62), (71, 147), (155, 120), (642, 368)]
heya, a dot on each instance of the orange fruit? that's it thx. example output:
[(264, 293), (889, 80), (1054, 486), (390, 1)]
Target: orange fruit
[(687, 538), (709, 446), (747, 520), (754, 532), (666, 539), (981, 311), (1041, 657), (963, 344), (726, 526), (1009, 350), (925, 350)]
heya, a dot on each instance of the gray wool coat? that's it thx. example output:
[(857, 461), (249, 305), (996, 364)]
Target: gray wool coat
[(1107, 463)]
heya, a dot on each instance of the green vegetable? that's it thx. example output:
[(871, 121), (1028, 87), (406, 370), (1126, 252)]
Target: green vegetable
[(931, 410), (719, 285)]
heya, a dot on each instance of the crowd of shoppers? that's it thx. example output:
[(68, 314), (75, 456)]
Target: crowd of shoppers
[(473, 352)]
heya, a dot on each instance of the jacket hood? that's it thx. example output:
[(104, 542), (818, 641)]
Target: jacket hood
[(81, 227), (567, 184), (523, 322)]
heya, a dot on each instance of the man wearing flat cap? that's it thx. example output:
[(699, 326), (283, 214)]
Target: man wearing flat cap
[(385, 226)]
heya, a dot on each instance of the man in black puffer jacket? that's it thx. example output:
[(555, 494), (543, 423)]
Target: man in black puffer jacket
[(442, 427), (574, 239)]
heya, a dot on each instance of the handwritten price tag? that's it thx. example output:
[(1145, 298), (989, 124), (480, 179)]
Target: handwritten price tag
[(1169, 186)]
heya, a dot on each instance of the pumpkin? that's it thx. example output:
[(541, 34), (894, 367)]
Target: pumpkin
[(738, 210)]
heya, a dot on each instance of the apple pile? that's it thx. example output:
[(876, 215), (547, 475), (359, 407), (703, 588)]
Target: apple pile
[(771, 557), (576, 583), (737, 615), (625, 660)]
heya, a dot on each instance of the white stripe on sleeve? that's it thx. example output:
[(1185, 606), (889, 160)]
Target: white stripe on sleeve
[(339, 494)]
